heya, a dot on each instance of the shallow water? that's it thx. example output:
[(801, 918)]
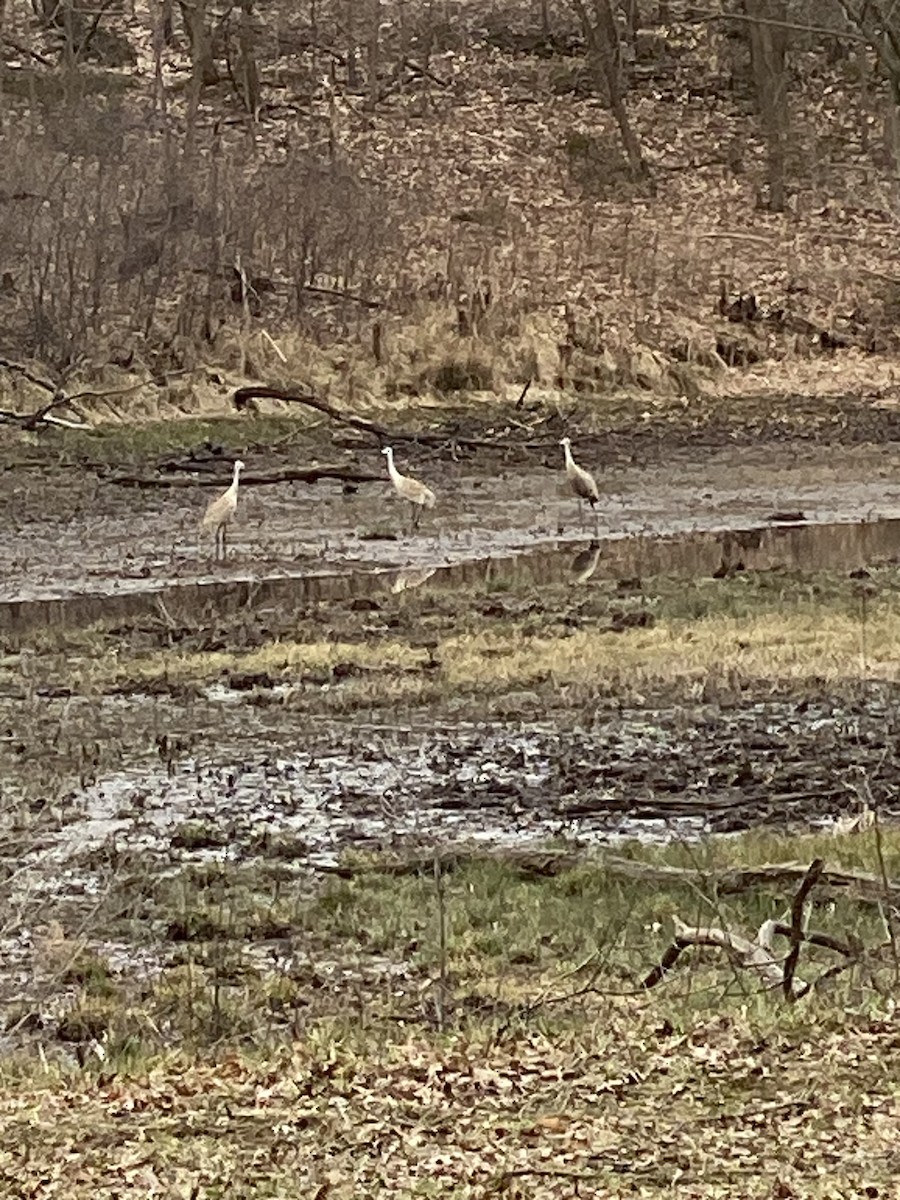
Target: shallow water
[(779, 545)]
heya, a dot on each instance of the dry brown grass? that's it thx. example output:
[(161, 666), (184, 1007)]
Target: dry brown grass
[(792, 647), (624, 1103)]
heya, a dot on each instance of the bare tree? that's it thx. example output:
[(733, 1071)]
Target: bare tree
[(880, 25), (601, 35), (203, 70), (373, 50), (247, 74)]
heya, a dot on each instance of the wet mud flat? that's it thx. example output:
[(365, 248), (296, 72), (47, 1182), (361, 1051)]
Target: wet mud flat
[(70, 532), (263, 789), (176, 739), (786, 542)]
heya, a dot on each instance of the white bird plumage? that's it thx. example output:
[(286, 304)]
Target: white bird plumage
[(582, 482), (220, 511), (409, 489)]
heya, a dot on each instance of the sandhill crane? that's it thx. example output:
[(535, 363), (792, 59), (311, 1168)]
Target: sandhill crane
[(409, 489), (583, 484), (220, 511)]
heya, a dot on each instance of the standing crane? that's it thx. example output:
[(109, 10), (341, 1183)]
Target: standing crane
[(220, 511), (409, 489), (582, 482)]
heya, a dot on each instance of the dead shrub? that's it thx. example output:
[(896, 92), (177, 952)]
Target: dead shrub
[(469, 374)]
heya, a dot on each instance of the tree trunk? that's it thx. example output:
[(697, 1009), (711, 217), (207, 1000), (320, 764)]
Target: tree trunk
[(605, 56), (248, 73), (768, 61), (350, 34), (193, 14), (2, 69)]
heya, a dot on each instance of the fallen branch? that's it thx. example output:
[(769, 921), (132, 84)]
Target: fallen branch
[(743, 953), (244, 395), (809, 881), (864, 886), (288, 475), (44, 414)]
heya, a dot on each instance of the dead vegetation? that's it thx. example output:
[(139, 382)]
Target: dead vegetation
[(495, 1025), (473, 201)]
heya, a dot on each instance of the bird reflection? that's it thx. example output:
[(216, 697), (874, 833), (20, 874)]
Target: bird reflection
[(412, 577), (584, 564)]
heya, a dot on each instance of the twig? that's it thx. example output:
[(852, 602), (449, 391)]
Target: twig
[(337, 294), (888, 915), (12, 365), (91, 32), (265, 333), (809, 881), (20, 49), (849, 949), (500, 1181), (756, 238), (426, 71)]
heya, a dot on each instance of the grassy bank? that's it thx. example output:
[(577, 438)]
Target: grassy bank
[(662, 635)]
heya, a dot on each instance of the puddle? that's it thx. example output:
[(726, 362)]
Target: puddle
[(784, 545)]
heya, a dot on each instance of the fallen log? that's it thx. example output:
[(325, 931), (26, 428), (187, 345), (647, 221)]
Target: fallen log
[(288, 475), (859, 885), (244, 395)]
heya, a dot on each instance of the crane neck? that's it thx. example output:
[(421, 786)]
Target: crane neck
[(236, 479), (567, 450), (392, 470)]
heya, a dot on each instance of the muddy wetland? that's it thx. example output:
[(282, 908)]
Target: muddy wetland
[(356, 782)]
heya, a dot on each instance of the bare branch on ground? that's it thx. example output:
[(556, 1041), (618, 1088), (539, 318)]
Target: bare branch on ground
[(809, 881)]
